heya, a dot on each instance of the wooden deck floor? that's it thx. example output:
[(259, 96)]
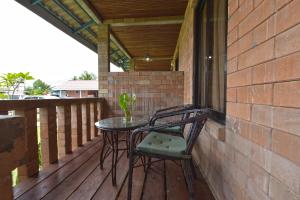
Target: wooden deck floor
[(78, 176)]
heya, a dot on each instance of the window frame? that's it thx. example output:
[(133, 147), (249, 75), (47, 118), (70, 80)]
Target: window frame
[(215, 115)]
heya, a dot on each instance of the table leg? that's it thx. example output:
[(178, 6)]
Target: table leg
[(103, 149), (114, 140)]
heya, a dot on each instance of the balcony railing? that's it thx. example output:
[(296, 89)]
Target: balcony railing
[(58, 125)]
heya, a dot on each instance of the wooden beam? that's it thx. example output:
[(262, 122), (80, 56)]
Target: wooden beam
[(154, 58), (87, 7), (144, 21)]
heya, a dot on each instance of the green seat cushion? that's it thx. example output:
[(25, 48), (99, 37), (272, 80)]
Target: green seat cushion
[(163, 144)]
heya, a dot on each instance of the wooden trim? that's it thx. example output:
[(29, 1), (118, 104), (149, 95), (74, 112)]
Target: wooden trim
[(144, 21)]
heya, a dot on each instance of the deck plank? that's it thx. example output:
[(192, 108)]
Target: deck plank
[(175, 180), (137, 185), (94, 181), (154, 187), (65, 189), (40, 190), (27, 184), (109, 192)]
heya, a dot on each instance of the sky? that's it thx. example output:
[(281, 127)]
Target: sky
[(28, 43)]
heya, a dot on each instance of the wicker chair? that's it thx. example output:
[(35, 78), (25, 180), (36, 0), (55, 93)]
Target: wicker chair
[(164, 146), (172, 130)]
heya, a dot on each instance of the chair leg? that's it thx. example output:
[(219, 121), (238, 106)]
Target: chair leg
[(130, 172), (193, 169), (189, 177)]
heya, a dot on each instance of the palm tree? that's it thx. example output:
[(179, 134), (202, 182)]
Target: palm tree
[(87, 76)]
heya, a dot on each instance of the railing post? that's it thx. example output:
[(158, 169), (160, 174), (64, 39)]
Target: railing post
[(6, 186), (48, 135), (88, 121), (31, 144), (12, 152), (95, 116), (84, 123), (64, 130), (79, 124)]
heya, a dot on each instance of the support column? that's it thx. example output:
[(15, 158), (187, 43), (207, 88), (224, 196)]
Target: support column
[(103, 49), (103, 58)]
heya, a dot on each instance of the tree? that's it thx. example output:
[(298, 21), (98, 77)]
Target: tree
[(12, 81), (87, 76), (39, 88)]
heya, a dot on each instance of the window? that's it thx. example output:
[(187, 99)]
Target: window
[(210, 56)]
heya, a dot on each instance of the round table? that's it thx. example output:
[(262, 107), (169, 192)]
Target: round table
[(111, 129)]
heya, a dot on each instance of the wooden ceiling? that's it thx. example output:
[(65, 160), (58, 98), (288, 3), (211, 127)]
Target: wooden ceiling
[(116, 9), (158, 40)]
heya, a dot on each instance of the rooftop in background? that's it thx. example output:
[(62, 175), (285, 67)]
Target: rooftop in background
[(78, 85)]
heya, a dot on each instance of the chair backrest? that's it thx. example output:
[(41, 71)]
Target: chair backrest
[(173, 110), (197, 122)]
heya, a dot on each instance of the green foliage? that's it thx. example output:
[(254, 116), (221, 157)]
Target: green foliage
[(87, 76), (11, 81), (39, 88), (126, 102), (3, 96)]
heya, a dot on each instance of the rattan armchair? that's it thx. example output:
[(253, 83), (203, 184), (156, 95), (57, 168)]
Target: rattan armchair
[(164, 146)]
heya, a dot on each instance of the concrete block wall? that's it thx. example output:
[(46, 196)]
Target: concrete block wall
[(259, 158), (154, 90)]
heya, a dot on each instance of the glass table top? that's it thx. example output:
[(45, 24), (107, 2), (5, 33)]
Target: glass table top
[(119, 123)]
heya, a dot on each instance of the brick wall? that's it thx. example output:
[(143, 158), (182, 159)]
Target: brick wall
[(154, 90), (259, 157)]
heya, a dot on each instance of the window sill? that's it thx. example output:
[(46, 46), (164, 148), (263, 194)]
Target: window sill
[(215, 129)]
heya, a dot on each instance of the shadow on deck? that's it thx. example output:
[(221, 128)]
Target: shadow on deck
[(78, 176)]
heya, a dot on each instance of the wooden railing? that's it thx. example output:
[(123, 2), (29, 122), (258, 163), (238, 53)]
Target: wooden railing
[(62, 124)]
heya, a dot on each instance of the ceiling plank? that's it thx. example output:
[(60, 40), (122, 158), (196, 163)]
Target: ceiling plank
[(87, 8), (144, 21), (154, 58)]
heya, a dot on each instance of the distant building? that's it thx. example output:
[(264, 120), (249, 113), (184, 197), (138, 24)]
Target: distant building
[(76, 88)]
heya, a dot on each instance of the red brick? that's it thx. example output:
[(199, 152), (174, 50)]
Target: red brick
[(286, 172), (245, 9), (231, 94), (288, 42), (232, 65), (286, 145), (263, 73), (288, 16), (232, 36), (287, 94), (244, 94), (279, 191), (233, 20), (245, 128), (262, 115), (281, 3), (257, 55), (287, 120), (239, 78), (232, 51), (262, 12), (239, 110), (232, 6), (260, 177), (262, 94), (287, 68), (245, 43), (260, 135)]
